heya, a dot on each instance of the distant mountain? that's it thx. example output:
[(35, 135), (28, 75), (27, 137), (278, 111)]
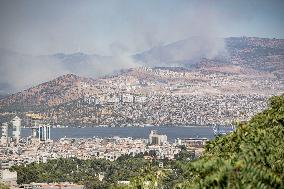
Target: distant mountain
[(261, 54), (81, 63), (19, 71), (186, 52), (57, 91), (158, 93), (190, 53), (257, 53), (90, 88)]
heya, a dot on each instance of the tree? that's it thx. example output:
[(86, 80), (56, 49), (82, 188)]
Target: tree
[(3, 186), (250, 157)]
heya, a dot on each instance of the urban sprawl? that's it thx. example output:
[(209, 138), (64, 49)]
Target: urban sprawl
[(39, 147)]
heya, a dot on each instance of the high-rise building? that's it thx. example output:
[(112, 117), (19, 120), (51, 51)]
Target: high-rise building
[(5, 134), (16, 124), (44, 133), (156, 139)]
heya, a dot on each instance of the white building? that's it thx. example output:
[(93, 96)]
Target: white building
[(16, 123), (5, 137), (6, 175), (156, 139), (113, 99), (140, 99), (128, 98), (44, 133)]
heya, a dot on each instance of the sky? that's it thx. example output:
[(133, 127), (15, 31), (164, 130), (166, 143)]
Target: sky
[(109, 27)]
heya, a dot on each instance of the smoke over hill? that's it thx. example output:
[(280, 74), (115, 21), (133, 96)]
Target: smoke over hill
[(20, 71)]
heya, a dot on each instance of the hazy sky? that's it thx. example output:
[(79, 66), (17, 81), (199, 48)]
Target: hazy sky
[(110, 26)]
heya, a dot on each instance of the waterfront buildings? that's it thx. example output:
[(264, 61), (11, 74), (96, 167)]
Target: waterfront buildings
[(156, 139), (44, 133), (40, 131), (33, 120), (41, 150), (61, 185), (98, 148), (192, 142), (16, 125)]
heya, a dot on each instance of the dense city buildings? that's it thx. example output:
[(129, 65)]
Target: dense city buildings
[(29, 150), (159, 110), (41, 149)]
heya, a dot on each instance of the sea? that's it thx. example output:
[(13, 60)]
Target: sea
[(134, 132)]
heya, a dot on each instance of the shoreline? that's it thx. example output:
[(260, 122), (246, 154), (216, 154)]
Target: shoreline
[(140, 126)]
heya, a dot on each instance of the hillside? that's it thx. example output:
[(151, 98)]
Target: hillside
[(156, 96), (260, 54), (60, 90), (233, 85), (245, 51)]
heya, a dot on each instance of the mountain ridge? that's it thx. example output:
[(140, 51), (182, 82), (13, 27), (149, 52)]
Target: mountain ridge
[(255, 67)]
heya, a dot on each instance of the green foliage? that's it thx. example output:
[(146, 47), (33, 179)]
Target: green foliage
[(3, 186), (81, 171), (250, 157), (185, 154)]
